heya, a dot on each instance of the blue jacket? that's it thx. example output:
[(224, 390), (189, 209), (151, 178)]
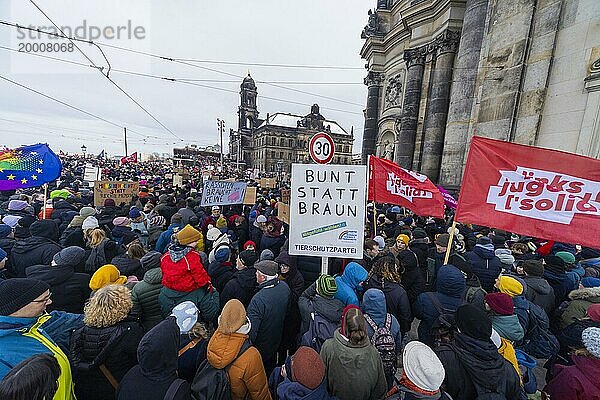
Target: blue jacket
[(348, 283), (450, 286), (485, 265), (288, 390), (561, 284), (165, 238), (575, 275), (374, 306)]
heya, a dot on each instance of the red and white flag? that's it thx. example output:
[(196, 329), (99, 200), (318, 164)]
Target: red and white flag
[(531, 191), (392, 184), (133, 158)]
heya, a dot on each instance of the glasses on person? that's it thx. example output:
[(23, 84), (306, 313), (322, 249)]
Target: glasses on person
[(44, 300)]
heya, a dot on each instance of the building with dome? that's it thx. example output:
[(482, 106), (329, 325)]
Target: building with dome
[(272, 144)]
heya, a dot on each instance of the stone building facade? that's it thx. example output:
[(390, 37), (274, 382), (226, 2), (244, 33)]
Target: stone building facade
[(274, 143), (441, 71)]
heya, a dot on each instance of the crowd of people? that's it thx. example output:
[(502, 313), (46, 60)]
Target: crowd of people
[(160, 298)]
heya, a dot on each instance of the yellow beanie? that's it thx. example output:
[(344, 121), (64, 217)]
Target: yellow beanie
[(106, 275), (510, 286), (188, 235), (404, 238)]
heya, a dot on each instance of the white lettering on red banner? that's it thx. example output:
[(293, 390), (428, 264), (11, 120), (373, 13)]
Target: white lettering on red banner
[(396, 186), (544, 195)]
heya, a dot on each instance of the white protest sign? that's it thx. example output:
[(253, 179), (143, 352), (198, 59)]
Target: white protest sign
[(327, 210), (177, 180), (92, 173), (221, 193)]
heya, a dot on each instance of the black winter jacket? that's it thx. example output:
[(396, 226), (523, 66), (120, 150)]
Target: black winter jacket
[(38, 249), (128, 266), (540, 292), (413, 279), (396, 300), (485, 265), (241, 286), (220, 274), (70, 289), (310, 302)]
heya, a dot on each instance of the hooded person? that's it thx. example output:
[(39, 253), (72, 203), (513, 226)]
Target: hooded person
[(69, 289), (412, 277), (184, 277), (555, 274), (242, 284), (539, 290), (472, 363), (165, 237), (580, 380), (301, 377), (318, 299), (349, 285), (484, 263), (221, 269), (156, 372), (230, 347), (378, 318), (38, 249), (501, 312), (450, 286), (146, 292), (570, 336), (581, 299), (353, 366), (73, 235)]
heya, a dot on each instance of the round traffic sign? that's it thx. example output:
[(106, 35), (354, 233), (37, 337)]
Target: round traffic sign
[(321, 148)]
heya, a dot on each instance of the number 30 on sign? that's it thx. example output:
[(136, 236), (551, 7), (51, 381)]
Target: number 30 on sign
[(321, 148)]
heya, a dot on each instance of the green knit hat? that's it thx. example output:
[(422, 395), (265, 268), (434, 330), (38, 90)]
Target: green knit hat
[(326, 286), (567, 257)]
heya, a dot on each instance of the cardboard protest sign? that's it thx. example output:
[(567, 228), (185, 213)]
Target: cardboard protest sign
[(285, 195), (327, 210), (221, 193), (250, 196), (119, 191), (268, 183), (283, 212)]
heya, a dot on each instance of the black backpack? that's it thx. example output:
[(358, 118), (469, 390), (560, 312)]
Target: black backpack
[(96, 258), (539, 341), (444, 327), (319, 330), (211, 383)]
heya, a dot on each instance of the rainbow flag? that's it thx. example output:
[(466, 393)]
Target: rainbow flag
[(28, 166)]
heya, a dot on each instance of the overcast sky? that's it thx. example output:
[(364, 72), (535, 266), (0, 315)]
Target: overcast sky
[(307, 32)]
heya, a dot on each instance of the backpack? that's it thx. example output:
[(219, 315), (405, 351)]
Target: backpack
[(384, 343), (444, 327), (97, 258), (430, 275), (211, 383), (319, 330), (539, 342)]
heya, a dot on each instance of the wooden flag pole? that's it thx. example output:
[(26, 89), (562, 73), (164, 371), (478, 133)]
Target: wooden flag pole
[(45, 198), (449, 248)]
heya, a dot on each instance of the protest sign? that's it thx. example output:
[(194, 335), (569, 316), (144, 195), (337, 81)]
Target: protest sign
[(267, 183), (531, 191), (283, 212), (250, 196), (119, 191), (390, 183), (177, 180), (327, 210), (221, 193), (285, 195), (92, 174), (449, 201)]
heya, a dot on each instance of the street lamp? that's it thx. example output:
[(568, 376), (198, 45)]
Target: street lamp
[(83, 150), (221, 126)]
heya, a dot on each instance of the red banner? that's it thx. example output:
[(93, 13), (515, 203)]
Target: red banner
[(532, 191), (133, 158), (392, 184)]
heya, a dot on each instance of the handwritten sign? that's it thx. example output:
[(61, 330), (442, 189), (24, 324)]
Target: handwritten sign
[(119, 191), (283, 212), (250, 196), (221, 193)]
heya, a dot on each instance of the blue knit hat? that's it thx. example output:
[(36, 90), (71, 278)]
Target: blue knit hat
[(589, 282)]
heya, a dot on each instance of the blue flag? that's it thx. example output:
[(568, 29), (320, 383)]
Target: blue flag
[(28, 166)]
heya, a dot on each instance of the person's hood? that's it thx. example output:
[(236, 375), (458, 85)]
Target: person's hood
[(77, 221), (246, 278), (53, 276), (538, 284), (588, 366), (374, 305), (153, 276), (296, 391), (45, 228), (223, 348), (26, 245), (484, 253), (63, 204), (590, 294), (330, 309), (481, 360), (178, 253), (509, 324), (157, 351), (450, 281), (354, 274)]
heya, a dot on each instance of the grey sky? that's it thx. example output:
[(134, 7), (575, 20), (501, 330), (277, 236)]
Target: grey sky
[(307, 32)]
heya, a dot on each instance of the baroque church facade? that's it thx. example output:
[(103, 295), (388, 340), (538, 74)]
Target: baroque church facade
[(274, 143), (441, 71)]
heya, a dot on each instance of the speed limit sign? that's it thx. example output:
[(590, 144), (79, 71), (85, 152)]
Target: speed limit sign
[(321, 148)]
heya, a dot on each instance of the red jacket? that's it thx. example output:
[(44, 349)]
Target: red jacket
[(183, 273), (576, 382)]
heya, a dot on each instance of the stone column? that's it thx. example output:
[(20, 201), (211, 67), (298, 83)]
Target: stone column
[(373, 82), (405, 143), (462, 93), (437, 107)]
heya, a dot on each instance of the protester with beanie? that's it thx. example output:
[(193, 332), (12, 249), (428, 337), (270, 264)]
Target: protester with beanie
[(106, 275), (230, 347), (145, 293), (38, 249), (164, 239), (302, 376), (573, 270), (472, 363), (23, 333), (69, 289), (184, 277), (361, 379), (423, 374), (501, 312), (539, 290), (580, 380), (318, 301), (242, 284)]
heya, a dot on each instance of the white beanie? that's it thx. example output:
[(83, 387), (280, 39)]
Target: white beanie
[(90, 223), (591, 340), (422, 366)]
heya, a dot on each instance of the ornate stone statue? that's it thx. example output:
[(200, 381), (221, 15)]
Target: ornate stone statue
[(388, 150), (373, 27)]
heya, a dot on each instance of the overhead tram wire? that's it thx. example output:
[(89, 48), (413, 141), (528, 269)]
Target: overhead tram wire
[(100, 69)]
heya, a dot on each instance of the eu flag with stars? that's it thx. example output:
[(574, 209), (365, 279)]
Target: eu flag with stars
[(28, 166)]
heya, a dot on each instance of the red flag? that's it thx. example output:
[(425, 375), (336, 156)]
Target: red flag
[(531, 191), (129, 159), (392, 184)]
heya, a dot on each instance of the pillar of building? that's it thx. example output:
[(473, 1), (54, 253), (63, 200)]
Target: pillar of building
[(373, 82), (405, 142), (462, 94), (438, 102)]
